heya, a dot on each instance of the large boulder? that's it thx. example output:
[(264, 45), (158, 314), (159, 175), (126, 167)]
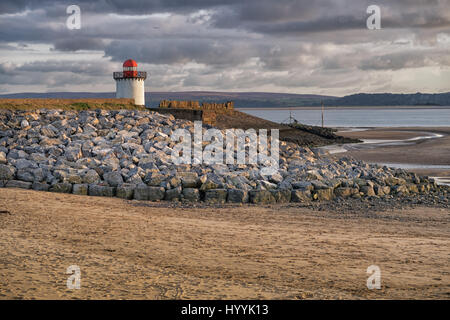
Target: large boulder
[(7, 172), (113, 178), (301, 195), (18, 184), (345, 192), (216, 196), (261, 197), (237, 196), (189, 179), (394, 181), (62, 187), (90, 177), (101, 190), (173, 194), (368, 191), (125, 191), (40, 186), (144, 192), (191, 194), (2, 157), (281, 196), (80, 189), (324, 194)]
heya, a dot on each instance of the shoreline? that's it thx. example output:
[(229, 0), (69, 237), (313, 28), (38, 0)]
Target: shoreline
[(407, 147)]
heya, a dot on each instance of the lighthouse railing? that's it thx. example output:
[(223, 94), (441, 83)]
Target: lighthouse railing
[(138, 74)]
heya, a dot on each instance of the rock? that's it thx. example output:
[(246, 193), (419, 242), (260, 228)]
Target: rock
[(261, 197), (401, 189), (300, 195), (24, 124), (189, 179), (7, 172), (101, 190), (53, 149), (73, 154), (154, 179), (413, 188), (191, 194), (18, 184), (80, 189), (23, 164), (173, 194), (62, 187), (267, 185), (2, 157), (141, 192), (60, 175), (216, 195), (91, 177), (313, 175), (74, 179), (367, 190), (156, 193), (394, 181), (237, 196), (113, 178), (144, 192), (174, 182), (209, 184), (24, 175), (386, 189), (345, 192), (303, 185), (276, 178), (324, 194), (281, 196), (125, 191), (319, 185), (360, 182), (38, 175), (40, 186)]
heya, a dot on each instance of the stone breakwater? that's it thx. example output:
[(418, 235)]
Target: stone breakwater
[(127, 154)]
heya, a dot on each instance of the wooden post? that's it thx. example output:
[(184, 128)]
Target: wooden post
[(322, 114)]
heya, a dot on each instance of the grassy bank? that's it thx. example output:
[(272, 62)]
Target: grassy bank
[(67, 104)]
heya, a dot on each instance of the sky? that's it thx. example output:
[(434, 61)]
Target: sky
[(305, 47)]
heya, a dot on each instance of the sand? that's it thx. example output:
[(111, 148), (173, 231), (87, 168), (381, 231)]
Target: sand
[(141, 250), (425, 152)]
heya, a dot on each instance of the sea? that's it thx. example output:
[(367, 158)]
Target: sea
[(359, 116)]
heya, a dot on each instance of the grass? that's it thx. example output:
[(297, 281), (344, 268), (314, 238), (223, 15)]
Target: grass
[(68, 104)]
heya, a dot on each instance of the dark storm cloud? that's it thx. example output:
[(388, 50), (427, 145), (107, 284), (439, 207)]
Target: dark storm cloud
[(75, 44), (118, 6)]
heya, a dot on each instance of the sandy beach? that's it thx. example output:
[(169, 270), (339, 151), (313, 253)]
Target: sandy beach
[(419, 152), (137, 250)]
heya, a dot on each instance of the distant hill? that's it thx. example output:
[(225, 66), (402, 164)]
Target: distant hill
[(390, 99), (265, 99)]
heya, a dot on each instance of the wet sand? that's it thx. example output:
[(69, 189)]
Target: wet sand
[(421, 152), (142, 250)]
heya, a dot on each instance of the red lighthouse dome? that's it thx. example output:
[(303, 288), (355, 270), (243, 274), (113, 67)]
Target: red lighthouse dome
[(130, 68), (130, 63)]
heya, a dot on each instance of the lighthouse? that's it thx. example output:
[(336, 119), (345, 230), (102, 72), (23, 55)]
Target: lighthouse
[(130, 82)]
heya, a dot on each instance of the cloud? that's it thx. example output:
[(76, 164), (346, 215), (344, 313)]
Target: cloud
[(295, 46)]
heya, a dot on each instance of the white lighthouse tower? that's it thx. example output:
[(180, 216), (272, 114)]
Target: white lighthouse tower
[(130, 83)]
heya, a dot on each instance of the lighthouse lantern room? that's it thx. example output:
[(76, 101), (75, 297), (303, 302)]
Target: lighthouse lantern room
[(130, 82)]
